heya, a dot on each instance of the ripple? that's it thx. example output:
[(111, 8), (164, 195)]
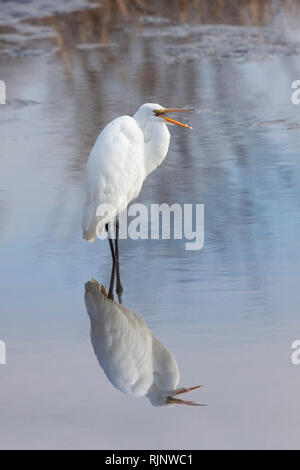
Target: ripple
[(14, 11), (225, 41)]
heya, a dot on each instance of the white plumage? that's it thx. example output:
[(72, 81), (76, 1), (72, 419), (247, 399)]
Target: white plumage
[(126, 151), (134, 361)]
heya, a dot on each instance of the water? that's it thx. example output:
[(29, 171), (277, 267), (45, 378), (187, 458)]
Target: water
[(229, 312)]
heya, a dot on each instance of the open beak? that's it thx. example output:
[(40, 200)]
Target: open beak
[(174, 110), (177, 401), (184, 390), (172, 400)]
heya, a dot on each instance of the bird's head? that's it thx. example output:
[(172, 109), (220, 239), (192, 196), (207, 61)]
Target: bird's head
[(159, 398), (153, 112)]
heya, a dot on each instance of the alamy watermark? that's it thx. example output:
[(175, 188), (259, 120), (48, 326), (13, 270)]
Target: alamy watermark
[(295, 357), (2, 92), (2, 352), (159, 221), (296, 94)]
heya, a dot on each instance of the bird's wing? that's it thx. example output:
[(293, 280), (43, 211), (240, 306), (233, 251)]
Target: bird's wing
[(114, 172), (121, 341)]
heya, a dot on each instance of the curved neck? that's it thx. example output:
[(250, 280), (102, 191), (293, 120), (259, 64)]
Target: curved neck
[(155, 396), (157, 139)]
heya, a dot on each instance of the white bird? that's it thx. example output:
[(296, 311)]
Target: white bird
[(134, 361), (125, 153)]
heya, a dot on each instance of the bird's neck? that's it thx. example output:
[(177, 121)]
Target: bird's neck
[(155, 396), (157, 139)]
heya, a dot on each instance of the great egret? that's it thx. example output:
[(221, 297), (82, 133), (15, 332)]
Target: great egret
[(134, 361), (125, 153)]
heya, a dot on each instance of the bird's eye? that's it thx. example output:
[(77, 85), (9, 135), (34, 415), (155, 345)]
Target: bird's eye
[(158, 112)]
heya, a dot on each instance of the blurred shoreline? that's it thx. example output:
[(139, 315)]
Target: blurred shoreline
[(34, 28)]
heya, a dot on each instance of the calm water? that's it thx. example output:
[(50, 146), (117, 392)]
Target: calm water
[(229, 312)]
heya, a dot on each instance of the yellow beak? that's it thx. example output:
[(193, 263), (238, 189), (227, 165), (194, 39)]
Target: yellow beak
[(172, 400), (174, 110), (177, 401)]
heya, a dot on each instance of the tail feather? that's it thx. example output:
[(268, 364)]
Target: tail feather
[(89, 233), (93, 225)]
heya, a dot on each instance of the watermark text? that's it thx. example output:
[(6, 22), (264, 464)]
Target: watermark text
[(2, 352), (2, 92), (296, 94), (159, 221), (295, 357)]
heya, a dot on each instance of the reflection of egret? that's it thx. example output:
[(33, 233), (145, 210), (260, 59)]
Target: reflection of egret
[(125, 153), (134, 361)]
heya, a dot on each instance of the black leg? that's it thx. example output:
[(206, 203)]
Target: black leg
[(119, 288), (113, 266)]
